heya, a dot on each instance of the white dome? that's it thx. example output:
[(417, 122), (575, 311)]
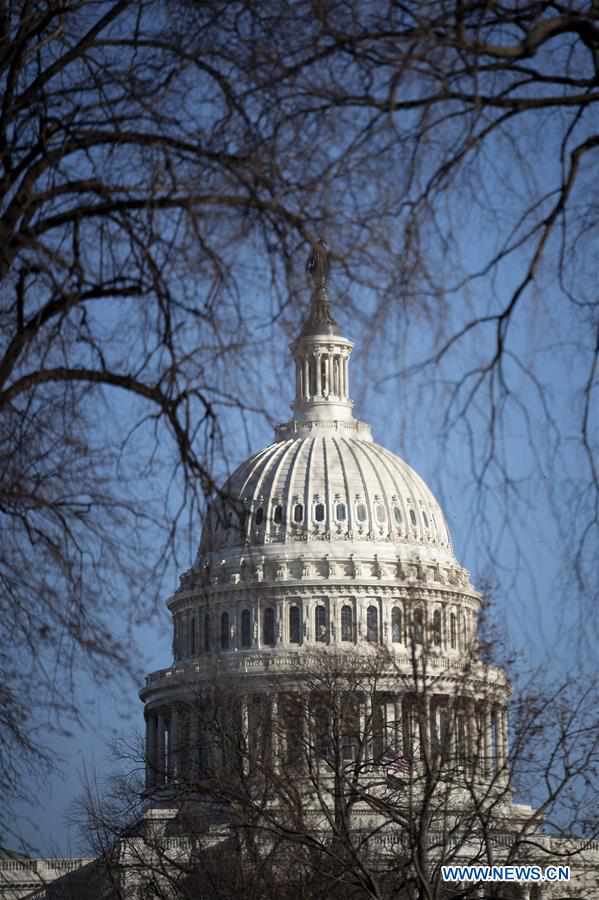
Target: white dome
[(324, 479), (325, 486)]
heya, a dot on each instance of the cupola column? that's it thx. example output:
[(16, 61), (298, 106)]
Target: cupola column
[(162, 742)]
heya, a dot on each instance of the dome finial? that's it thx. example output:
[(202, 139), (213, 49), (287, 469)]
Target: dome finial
[(317, 265), (320, 319)]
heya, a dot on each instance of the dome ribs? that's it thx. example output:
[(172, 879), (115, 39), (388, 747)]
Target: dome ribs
[(346, 489), (365, 448), (308, 487), (291, 488), (275, 494), (364, 485)]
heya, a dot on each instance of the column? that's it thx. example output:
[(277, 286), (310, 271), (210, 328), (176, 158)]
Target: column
[(319, 384), (194, 744), (505, 748), (426, 722), (306, 367), (151, 748), (173, 744), (274, 732), (281, 633), (398, 724), (366, 727), (470, 736), (308, 621), (480, 742), (390, 725), (345, 378), (488, 740), (452, 735), (245, 734), (329, 367), (161, 754)]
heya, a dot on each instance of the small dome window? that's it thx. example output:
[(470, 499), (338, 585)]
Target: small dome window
[(277, 515), (347, 623), (412, 517), (425, 519), (268, 627), (321, 624), (295, 625), (298, 513), (224, 631), (246, 628), (319, 512), (397, 515), (259, 517), (372, 624), (380, 513), (340, 512), (361, 512)]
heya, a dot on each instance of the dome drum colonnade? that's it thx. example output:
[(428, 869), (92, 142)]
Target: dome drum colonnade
[(325, 541)]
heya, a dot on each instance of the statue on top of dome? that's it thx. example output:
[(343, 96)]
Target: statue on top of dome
[(320, 319), (318, 265)]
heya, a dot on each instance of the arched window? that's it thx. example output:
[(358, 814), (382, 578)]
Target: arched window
[(418, 620), (437, 628), (277, 515), (207, 632), (246, 628), (396, 625), (361, 513), (412, 517), (397, 515), (372, 624), (259, 517), (347, 623), (340, 512), (424, 519), (224, 631), (319, 512), (453, 632), (380, 513), (320, 624), (268, 627), (295, 623), (298, 513)]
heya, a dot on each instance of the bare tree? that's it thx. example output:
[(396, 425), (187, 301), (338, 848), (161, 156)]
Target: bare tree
[(329, 800), (149, 159), (464, 133)]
